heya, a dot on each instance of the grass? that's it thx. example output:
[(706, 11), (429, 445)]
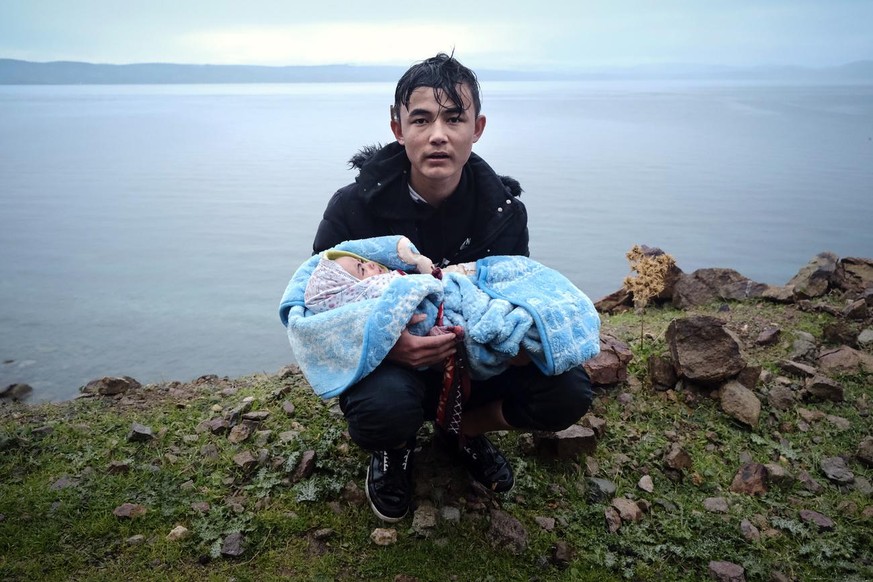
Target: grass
[(51, 532)]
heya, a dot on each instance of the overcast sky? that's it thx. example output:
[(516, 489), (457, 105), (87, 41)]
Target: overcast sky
[(511, 34)]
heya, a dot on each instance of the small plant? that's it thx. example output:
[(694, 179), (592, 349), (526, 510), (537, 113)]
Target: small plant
[(650, 279)]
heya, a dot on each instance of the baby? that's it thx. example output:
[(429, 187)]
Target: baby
[(342, 277)]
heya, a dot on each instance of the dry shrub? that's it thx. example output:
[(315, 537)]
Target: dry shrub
[(650, 279)]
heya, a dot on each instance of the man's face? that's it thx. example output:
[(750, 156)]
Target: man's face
[(438, 137)]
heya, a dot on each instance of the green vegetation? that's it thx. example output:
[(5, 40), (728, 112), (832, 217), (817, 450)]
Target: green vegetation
[(65, 467)]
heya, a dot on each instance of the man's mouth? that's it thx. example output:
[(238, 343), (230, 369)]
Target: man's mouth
[(438, 156)]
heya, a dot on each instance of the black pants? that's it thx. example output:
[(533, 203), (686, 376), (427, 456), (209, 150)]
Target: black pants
[(388, 406)]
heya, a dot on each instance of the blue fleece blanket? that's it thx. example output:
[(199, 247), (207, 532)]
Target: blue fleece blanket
[(512, 302)]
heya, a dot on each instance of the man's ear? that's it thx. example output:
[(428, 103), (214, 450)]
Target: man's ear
[(478, 128), (395, 125)]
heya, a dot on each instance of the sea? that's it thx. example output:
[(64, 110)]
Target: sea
[(150, 230)]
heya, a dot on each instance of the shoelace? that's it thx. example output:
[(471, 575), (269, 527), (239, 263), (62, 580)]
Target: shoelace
[(395, 478)]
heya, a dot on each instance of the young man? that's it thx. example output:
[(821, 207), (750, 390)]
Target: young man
[(430, 187)]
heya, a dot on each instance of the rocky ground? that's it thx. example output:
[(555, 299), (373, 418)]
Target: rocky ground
[(730, 438)]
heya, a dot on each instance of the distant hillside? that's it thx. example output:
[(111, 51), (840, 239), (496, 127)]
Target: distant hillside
[(16, 72)]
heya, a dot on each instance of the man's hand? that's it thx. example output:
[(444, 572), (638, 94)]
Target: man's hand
[(420, 351)]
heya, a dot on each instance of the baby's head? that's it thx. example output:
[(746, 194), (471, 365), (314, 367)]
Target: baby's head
[(360, 268), (341, 278)]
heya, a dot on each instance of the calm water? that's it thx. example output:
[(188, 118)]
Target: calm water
[(150, 230)]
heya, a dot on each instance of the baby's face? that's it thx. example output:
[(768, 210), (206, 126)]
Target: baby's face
[(360, 269)]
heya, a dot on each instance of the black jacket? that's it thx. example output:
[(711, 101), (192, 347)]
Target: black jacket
[(482, 217)]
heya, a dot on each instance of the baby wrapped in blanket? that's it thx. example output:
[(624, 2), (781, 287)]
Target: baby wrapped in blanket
[(345, 308)]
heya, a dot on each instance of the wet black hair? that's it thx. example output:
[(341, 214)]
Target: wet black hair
[(444, 74)]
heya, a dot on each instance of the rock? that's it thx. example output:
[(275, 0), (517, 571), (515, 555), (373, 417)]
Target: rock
[(804, 346), (110, 386), (562, 554), (384, 536), (677, 458), (810, 416), (450, 513), (769, 336), (353, 494), (814, 279), (822, 521), (845, 360), (305, 467), (781, 398), (209, 451), (16, 391), (506, 531), (854, 274), (600, 489), (706, 285), (715, 504), (139, 433), (135, 540), (217, 426), (778, 476), (613, 519), (740, 403), (750, 480), (615, 302), (839, 333), (232, 546), (836, 470), (863, 486), (239, 433), (823, 388), (749, 376), (180, 532), (546, 523), (855, 310), (839, 422), (726, 572), (646, 484), (200, 506), (627, 509), (865, 451), (865, 338), (256, 416), (424, 520), (610, 365), (288, 408), (129, 511), (808, 483), (749, 531), (64, 482), (245, 460), (567, 444), (703, 351), (661, 372), (779, 293), (798, 369), (598, 425)]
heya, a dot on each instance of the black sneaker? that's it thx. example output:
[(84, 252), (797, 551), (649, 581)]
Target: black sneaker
[(389, 483), (486, 464)]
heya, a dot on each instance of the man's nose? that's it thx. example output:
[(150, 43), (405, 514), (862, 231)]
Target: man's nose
[(438, 132)]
